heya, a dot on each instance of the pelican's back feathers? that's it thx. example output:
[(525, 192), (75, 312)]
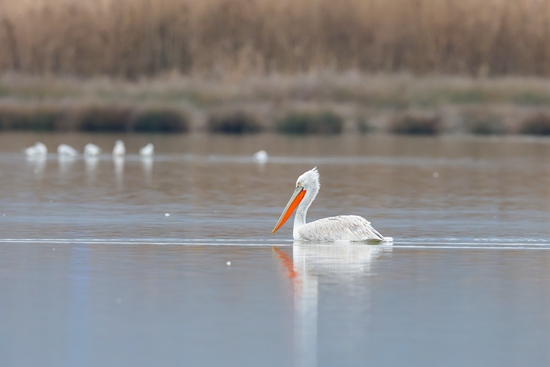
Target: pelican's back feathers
[(340, 228)]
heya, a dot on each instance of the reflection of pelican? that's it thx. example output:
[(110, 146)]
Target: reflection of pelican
[(119, 165), (65, 163), (261, 156), (119, 149), (147, 165), (340, 228), (91, 150), (346, 261), (147, 151), (341, 265), (91, 163), (119, 170), (37, 150), (38, 163), (64, 150)]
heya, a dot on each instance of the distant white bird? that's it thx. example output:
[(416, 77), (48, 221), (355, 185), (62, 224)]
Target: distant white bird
[(91, 150), (119, 149), (147, 151), (340, 228), (37, 150), (64, 150), (261, 156)]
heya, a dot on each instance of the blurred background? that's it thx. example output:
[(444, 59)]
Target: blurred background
[(307, 66), (167, 257)]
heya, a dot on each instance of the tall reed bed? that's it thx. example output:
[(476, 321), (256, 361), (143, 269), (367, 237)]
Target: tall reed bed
[(133, 38)]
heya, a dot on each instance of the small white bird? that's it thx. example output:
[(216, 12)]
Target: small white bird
[(119, 149), (147, 151), (64, 150), (37, 150), (340, 228), (261, 156), (91, 150)]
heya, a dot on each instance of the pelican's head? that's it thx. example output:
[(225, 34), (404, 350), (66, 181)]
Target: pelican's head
[(309, 181)]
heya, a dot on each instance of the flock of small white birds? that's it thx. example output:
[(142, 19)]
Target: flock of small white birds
[(90, 150)]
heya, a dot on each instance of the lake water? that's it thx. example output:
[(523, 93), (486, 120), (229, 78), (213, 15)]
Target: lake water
[(171, 261)]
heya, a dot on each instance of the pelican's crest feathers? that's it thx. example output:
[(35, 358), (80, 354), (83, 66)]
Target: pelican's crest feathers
[(311, 176)]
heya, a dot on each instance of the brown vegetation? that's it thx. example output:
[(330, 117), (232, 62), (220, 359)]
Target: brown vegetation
[(233, 122), (538, 124), (415, 124), (320, 102), (324, 122), (131, 38), (484, 124)]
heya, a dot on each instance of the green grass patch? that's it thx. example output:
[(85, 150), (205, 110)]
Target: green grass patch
[(160, 121), (484, 125), (237, 122), (326, 122), (467, 97), (531, 99), (437, 97), (363, 125), (24, 118)]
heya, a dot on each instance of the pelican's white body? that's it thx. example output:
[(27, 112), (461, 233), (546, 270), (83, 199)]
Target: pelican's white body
[(341, 228), (147, 151), (91, 150), (64, 150), (349, 228), (37, 150), (119, 150)]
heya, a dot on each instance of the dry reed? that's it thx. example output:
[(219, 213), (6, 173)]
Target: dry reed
[(133, 38)]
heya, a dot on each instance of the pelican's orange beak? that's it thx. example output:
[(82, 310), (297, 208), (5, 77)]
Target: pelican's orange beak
[(294, 201)]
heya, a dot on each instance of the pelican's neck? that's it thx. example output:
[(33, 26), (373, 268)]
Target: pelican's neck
[(301, 211)]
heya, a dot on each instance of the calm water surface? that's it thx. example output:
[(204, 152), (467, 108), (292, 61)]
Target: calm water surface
[(171, 261)]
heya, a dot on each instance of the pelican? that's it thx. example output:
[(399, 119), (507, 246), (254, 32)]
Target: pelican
[(64, 150), (261, 156), (119, 150), (147, 151), (37, 150), (91, 150), (341, 228)]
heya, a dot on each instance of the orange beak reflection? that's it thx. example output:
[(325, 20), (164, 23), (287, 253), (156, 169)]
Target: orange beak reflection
[(293, 203)]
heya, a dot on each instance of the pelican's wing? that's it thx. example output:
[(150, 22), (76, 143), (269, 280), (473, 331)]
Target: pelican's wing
[(340, 228)]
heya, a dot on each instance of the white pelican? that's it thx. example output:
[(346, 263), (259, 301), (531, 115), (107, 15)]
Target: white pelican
[(91, 150), (37, 150), (340, 228), (261, 156), (147, 151), (64, 150), (119, 149)]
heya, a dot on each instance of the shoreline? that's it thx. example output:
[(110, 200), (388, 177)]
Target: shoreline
[(361, 103)]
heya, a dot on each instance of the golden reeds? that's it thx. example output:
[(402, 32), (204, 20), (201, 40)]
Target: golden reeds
[(133, 38)]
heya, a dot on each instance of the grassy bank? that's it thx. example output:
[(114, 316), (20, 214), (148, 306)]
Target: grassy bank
[(313, 103), (132, 38)]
